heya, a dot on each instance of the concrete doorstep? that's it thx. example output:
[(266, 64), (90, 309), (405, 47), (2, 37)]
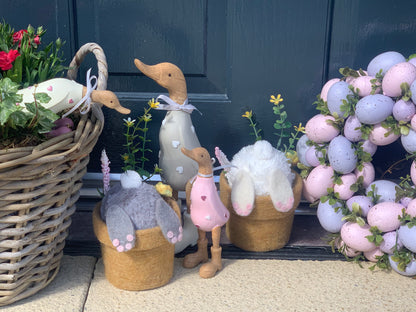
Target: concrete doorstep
[(242, 285)]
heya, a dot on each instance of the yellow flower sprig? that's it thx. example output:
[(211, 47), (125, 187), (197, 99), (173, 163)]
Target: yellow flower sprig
[(136, 140), (249, 116)]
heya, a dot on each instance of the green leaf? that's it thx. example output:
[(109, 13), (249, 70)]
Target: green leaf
[(42, 97)]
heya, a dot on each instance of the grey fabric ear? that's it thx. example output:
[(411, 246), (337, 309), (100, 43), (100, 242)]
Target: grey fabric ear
[(120, 228), (243, 194), (168, 221)]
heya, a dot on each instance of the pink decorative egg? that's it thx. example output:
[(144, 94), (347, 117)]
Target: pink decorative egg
[(367, 172), (347, 251), (318, 181), (413, 122), (411, 208), (343, 189), (369, 147), (351, 131), (364, 85), (355, 236), (404, 72), (326, 87), (373, 254), (320, 130), (377, 136), (385, 216)]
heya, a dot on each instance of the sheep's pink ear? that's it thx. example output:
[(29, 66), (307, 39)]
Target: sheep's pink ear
[(281, 192), (243, 193)]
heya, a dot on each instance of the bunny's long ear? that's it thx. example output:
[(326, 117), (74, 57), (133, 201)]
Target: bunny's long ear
[(281, 192), (243, 194)]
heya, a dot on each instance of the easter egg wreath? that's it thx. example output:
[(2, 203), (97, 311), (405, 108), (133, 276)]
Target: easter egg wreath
[(368, 218)]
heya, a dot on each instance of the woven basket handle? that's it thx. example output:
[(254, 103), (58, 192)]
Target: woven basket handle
[(101, 63)]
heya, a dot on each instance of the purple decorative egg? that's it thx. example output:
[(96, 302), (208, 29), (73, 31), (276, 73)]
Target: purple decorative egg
[(413, 90), (410, 269), (369, 147), (336, 95), (385, 188), (341, 155), (326, 87), (330, 220), (409, 141), (373, 254), (390, 240), (312, 156), (351, 129), (407, 236), (364, 202), (404, 110), (383, 62), (373, 109)]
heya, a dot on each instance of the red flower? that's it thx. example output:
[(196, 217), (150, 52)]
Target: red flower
[(18, 35), (6, 59)]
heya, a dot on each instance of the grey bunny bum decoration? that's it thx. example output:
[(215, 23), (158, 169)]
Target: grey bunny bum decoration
[(135, 205)]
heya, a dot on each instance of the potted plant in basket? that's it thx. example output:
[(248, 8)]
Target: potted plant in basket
[(260, 189), (40, 167)]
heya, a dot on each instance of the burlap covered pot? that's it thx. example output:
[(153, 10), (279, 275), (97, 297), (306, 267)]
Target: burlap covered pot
[(148, 265), (265, 228)]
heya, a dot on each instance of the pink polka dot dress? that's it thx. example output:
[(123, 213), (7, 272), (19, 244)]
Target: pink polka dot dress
[(207, 210)]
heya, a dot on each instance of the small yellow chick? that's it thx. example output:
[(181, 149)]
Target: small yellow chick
[(164, 189)]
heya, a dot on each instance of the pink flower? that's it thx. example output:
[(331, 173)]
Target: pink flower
[(18, 35), (6, 59), (36, 40)]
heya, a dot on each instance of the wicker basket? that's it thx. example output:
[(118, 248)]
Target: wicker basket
[(147, 265), (39, 186), (265, 229)]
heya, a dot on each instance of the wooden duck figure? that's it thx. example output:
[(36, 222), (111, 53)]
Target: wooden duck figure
[(207, 213), (176, 130), (66, 93)]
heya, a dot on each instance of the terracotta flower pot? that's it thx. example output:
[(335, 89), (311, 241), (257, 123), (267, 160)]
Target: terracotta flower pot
[(265, 228), (147, 265)]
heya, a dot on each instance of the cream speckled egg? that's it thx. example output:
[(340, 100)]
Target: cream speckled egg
[(385, 216), (320, 130)]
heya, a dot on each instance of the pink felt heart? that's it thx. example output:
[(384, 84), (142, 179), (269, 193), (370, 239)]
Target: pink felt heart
[(203, 197), (70, 101), (49, 88)]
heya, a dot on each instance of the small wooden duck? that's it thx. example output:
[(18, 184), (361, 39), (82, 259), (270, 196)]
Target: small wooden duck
[(66, 93), (176, 130), (207, 213)]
